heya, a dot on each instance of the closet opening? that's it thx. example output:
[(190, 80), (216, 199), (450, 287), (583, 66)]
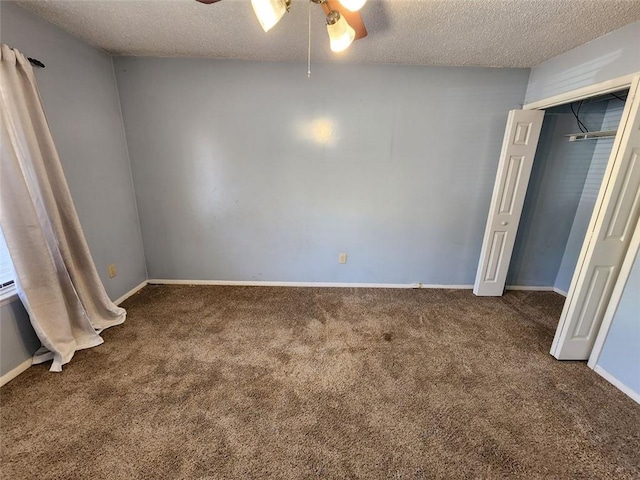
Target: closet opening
[(564, 207), (574, 149)]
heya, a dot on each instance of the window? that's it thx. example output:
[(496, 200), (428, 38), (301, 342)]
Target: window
[(6, 271)]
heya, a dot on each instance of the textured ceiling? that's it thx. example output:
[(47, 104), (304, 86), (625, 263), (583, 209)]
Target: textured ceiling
[(494, 33)]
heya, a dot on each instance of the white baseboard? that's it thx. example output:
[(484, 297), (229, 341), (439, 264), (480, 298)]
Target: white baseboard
[(560, 292), (635, 396), (536, 288), (259, 283), (252, 283), (533, 288), (133, 291), (13, 373)]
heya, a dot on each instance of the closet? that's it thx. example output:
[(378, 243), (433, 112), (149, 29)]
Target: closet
[(574, 148), (564, 207)]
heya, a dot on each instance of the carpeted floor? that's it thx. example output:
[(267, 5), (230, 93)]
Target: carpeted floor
[(246, 382)]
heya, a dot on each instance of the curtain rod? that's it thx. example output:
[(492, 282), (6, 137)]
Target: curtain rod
[(35, 62)]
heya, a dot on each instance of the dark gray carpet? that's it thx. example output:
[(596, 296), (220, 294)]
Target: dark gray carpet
[(246, 382)]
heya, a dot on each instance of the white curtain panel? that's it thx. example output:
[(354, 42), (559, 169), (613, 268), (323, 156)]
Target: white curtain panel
[(55, 275)]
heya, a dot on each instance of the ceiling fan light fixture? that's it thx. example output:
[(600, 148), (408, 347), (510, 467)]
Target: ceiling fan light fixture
[(353, 5), (341, 34), (269, 12)]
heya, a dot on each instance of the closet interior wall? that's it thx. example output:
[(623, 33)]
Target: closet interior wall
[(562, 191)]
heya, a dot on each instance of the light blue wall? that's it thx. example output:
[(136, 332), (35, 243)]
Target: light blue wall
[(18, 341), (80, 98), (620, 355), (592, 184), (583, 214), (81, 102), (611, 56), (559, 171), (250, 171)]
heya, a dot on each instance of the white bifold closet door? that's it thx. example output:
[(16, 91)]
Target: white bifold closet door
[(514, 169), (612, 225)]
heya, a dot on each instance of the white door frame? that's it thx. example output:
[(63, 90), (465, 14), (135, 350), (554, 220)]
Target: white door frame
[(583, 93), (578, 94), (616, 296)]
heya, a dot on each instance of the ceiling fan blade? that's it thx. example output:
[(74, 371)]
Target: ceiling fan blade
[(353, 18)]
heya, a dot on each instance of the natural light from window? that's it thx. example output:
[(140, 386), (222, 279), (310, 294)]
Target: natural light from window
[(6, 267)]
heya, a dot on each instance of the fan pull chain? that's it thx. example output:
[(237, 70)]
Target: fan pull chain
[(309, 46)]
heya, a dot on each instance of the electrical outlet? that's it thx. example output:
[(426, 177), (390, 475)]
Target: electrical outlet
[(112, 270), (342, 258)]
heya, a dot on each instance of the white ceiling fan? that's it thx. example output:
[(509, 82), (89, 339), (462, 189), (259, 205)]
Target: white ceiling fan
[(344, 23)]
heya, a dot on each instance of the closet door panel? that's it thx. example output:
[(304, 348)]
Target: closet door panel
[(514, 169)]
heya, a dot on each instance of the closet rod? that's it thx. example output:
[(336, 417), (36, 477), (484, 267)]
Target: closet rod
[(591, 135)]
